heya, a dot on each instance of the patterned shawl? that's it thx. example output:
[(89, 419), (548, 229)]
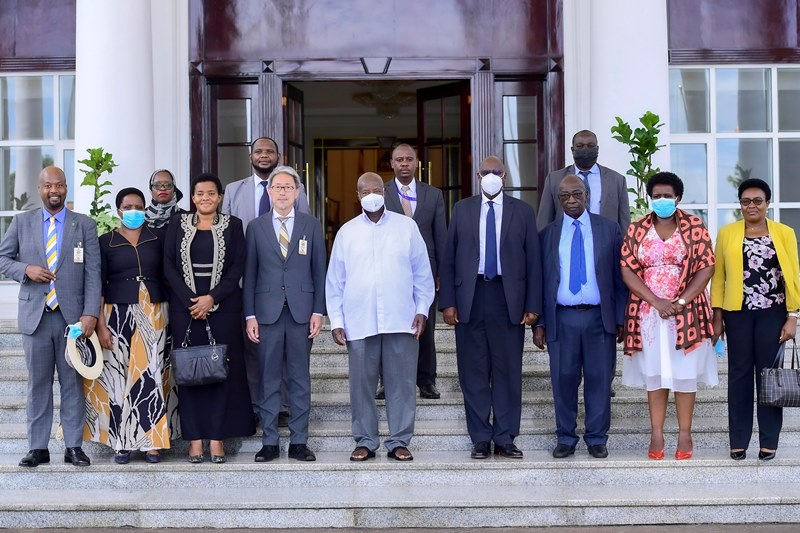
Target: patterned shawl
[(159, 215), (693, 324)]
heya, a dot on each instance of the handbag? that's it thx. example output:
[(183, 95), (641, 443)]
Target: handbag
[(200, 365), (780, 387)]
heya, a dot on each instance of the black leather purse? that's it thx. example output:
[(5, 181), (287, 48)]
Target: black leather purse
[(780, 387), (200, 365)]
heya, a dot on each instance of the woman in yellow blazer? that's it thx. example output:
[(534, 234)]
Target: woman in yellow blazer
[(755, 293)]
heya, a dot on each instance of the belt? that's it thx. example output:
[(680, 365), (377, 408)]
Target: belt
[(48, 310), (580, 307), (481, 277), (140, 278)]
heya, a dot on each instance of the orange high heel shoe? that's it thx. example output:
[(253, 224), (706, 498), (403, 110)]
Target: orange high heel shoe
[(683, 456), (656, 456)]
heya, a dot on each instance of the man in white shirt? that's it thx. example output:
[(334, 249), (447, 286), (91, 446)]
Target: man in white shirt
[(378, 290)]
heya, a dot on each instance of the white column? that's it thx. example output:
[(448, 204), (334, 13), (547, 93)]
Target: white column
[(114, 91), (615, 64)]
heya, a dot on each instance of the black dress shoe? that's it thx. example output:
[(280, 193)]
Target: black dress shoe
[(598, 451), (429, 392), (267, 453), (562, 451), (739, 455), (35, 458), (481, 450), (76, 457), (301, 452), (381, 393), (509, 451), (766, 456)]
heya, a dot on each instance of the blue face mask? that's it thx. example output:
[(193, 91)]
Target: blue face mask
[(664, 207), (74, 330), (133, 218)]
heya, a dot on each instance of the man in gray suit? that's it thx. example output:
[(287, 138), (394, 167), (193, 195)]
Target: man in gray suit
[(247, 199), (608, 188), (55, 256), (284, 300), (425, 204)]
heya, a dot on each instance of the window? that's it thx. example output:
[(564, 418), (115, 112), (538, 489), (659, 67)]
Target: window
[(728, 124), (37, 129)]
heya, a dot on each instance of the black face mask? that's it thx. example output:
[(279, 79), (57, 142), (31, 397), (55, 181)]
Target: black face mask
[(585, 158)]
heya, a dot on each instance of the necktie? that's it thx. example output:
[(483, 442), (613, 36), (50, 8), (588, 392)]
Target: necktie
[(577, 261), (490, 258), (51, 252), (404, 201), (263, 204), (585, 174), (283, 240)]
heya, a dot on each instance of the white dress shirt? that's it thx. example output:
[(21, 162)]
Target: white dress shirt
[(412, 193), (590, 291), (276, 224), (595, 185), (498, 217), (379, 276)]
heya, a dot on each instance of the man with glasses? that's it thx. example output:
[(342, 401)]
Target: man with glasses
[(425, 204), (584, 309), (284, 300), (491, 289)]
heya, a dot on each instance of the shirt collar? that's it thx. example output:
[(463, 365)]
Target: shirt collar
[(380, 220), (498, 200), (59, 216), (594, 170), (275, 214), (258, 180), (584, 219), (412, 186)]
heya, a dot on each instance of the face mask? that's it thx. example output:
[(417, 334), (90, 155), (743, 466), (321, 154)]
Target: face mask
[(74, 330), (664, 207), (372, 202), (491, 184), (133, 219), (585, 158)]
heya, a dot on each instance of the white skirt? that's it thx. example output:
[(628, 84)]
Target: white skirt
[(660, 366)]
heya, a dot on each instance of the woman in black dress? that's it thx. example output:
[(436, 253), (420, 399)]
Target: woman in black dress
[(203, 263)]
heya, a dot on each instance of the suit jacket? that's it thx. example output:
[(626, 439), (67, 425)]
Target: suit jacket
[(520, 259), (77, 285), (429, 216), (238, 200), (613, 292), (299, 280), (614, 203)]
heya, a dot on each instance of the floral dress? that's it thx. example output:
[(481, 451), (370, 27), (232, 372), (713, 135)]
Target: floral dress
[(659, 365), (763, 277)]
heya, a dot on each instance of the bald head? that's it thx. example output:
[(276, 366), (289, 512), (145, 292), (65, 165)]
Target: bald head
[(572, 195), (53, 189), (369, 182), (492, 163)]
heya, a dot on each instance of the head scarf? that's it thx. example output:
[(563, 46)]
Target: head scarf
[(158, 215)]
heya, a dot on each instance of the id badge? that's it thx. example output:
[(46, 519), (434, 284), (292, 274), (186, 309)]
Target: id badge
[(77, 253), (302, 246)]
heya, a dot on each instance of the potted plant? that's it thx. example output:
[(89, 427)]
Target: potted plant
[(98, 163)]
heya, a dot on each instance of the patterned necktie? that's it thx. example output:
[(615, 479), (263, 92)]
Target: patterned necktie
[(404, 201), (577, 261), (490, 260), (585, 174), (51, 252), (284, 237), (263, 204)]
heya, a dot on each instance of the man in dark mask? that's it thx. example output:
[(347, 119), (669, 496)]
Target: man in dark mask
[(608, 189)]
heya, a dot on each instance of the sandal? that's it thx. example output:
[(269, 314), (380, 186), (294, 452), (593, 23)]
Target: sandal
[(400, 453), (362, 453)]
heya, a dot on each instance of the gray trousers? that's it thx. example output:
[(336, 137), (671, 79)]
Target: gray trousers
[(397, 354), (254, 376), (285, 349), (44, 354)]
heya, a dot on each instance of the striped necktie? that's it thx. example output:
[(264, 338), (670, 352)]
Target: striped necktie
[(51, 251), (284, 237)]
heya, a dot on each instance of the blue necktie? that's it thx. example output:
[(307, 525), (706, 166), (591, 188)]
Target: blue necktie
[(263, 204), (577, 261), (490, 259)]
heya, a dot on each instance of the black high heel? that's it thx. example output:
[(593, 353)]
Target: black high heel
[(738, 455), (766, 456)]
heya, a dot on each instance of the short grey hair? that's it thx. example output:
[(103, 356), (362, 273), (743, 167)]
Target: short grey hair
[(284, 169)]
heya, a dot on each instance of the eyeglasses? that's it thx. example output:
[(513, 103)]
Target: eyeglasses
[(283, 188), (744, 202), (162, 186), (565, 196), (495, 171)]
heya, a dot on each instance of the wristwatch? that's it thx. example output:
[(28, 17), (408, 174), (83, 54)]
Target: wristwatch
[(682, 302)]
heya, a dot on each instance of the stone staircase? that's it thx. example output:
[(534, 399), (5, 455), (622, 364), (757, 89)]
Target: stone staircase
[(441, 488)]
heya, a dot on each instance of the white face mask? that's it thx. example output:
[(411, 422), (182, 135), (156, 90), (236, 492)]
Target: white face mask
[(491, 184), (372, 202)]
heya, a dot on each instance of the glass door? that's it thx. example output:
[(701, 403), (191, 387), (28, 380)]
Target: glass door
[(234, 117), (294, 139)]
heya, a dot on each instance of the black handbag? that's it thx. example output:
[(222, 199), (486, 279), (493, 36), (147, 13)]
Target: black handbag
[(200, 365), (780, 387)]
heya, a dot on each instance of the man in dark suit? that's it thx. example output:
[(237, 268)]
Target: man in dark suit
[(55, 256), (491, 288), (425, 204), (284, 300), (608, 188), (584, 305)]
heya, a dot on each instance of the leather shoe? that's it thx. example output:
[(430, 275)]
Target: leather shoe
[(598, 451), (301, 452), (481, 450), (267, 453), (429, 392), (562, 450), (509, 451), (381, 393), (766, 456), (76, 457), (35, 458), (739, 455)]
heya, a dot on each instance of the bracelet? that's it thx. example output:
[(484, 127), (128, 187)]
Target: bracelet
[(793, 314)]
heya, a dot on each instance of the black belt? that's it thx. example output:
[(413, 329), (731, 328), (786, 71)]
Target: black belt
[(140, 278), (48, 310), (580, 307), (481, 277)]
